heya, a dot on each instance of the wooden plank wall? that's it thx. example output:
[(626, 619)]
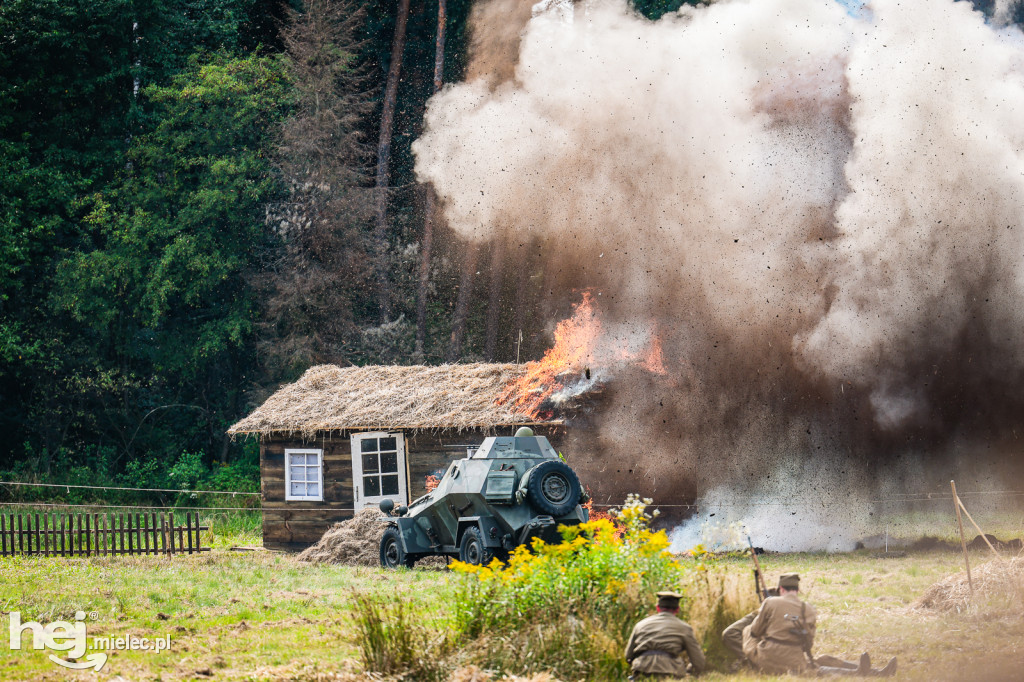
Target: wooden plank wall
[(297, 524), (294, 525)]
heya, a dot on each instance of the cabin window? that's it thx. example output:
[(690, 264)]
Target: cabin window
[(379, 468), (304, 475)]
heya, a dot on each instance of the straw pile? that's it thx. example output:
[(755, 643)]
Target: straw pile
[(355, 542), (330, 398), (998, 584)]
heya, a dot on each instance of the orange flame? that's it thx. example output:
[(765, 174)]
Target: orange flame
[(579, 343), (432, 483), (574, 337), (654, 362)]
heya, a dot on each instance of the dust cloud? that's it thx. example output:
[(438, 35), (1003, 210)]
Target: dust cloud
[(818, 214)]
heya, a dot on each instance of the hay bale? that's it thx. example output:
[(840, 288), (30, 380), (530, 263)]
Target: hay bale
[(998, 584), (355, 542)]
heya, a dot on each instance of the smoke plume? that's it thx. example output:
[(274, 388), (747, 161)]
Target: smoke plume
[(818, 215)]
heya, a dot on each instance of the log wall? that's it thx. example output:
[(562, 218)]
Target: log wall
[(296, 524)]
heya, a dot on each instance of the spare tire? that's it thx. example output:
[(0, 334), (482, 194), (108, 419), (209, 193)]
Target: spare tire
[(553, 488)]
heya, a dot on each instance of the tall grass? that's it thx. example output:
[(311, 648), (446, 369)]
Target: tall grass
[(716, 600), (392, 641)]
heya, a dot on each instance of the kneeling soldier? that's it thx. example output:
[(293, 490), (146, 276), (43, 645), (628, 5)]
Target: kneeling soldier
[(656, 646)]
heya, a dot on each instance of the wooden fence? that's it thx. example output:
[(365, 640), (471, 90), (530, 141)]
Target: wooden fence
[(50, 534)]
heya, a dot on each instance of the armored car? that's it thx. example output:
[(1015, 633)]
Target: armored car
[(511, 490)]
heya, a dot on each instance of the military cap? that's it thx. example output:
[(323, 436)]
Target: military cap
[(668, 600), (790, 581)]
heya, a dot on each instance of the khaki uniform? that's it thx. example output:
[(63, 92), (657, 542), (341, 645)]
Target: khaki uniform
[(769, 642), (657, 644), (732, 636)]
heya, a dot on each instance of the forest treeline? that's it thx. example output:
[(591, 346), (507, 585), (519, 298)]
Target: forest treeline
[(199, 199)]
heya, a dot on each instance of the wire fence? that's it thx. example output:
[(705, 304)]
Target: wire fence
[(233, 493), (734, 501)]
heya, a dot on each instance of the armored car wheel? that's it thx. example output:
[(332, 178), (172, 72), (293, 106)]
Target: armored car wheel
[(553, 488), (472, 549), (391, 553)]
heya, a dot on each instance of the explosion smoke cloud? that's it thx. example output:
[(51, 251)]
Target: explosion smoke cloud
[(820, 213)]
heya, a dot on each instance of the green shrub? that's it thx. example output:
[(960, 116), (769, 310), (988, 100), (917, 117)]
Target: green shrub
[(566, 608)]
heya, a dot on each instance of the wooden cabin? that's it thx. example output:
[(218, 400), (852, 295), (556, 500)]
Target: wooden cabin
[(341, 439)]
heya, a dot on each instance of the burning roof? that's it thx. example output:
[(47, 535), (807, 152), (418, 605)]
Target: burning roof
[(330, 398), (459, 396), (584, 351)]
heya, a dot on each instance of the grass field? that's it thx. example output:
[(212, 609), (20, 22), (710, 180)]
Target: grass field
[(262, 615)]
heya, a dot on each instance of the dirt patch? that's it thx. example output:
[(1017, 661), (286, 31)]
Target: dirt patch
[(472, 673), (929, 543), (998, 583), (979, 542)]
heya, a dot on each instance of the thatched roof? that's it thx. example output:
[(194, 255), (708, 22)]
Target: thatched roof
[(330, 398)]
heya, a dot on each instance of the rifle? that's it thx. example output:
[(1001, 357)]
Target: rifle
[(759, 586)]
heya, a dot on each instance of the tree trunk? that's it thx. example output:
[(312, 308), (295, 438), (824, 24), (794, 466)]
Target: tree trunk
[(462, 302), (494, 298), (429, 204), (524, 263), (387, 118)]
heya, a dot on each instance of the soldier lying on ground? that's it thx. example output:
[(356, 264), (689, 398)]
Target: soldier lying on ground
[(657, 643), (777, 638)]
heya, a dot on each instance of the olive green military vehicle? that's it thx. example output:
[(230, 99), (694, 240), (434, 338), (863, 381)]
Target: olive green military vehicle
[(511, 490)]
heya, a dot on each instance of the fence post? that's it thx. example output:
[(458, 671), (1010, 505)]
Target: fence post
[(188, 525), (170, 527), (963, 543), (145, 533), (163, 532), (152, 530)]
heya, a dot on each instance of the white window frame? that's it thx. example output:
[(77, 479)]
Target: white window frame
[(288, 474), (360, 499)]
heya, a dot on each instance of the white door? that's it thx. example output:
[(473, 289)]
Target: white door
[(378, 469)]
